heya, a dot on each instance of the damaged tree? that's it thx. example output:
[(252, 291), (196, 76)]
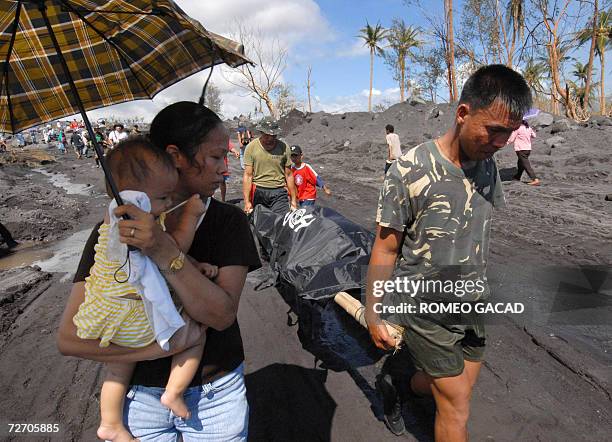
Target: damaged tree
[(270, 58)]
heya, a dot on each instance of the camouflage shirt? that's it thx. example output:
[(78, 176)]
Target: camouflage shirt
[(445, 214)]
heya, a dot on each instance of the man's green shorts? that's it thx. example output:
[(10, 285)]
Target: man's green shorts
[(439, 348)]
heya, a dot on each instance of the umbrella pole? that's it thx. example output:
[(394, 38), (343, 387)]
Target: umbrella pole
[(79, 103)]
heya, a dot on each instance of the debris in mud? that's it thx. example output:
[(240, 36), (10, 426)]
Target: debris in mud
[(26, 157)]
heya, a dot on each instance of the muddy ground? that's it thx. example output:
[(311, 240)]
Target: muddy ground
[(543, 381)]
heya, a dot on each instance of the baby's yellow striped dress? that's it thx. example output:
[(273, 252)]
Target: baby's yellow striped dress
[(105, 315)]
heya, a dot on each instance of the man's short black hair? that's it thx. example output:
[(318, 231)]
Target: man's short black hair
[(497, 82), (130, 161), (389, 128)]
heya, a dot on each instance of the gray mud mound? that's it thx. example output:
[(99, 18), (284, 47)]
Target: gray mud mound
[(32, 208), (567, 216), (19, 287)]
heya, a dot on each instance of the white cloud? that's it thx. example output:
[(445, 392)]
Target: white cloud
[(356, 49), (294, 22), (358, 102), (375, 92)]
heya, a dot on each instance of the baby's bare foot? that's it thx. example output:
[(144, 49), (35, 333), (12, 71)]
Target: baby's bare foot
[(116, 433), (174, 401)]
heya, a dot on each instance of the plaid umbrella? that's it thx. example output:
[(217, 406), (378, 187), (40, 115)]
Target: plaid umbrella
[(62, 57)]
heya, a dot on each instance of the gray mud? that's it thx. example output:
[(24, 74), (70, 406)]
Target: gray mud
[(541, 382)]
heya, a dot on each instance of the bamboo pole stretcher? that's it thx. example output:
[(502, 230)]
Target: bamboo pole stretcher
[(357, 310)]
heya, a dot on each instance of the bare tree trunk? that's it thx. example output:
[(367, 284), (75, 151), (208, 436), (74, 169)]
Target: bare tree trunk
[(451, 51), (371, 78), (499, 19), (308, 87), (402, 63), (602, 90), (553, 58), (270, 105), (587, 86)]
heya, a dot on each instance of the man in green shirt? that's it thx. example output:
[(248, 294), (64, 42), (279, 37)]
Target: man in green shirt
[(267, 172), (434, 213)]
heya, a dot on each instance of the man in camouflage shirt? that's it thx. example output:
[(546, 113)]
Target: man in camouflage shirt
[(434, 213)]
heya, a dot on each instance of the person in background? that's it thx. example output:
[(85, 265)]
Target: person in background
[(77, 143), (117, 135), (522, 146), (102, 142), (135, 130), (244, 138), (306, 179), (267, 172), (61, 140), (226, 174), (47, 133), (394, 149)]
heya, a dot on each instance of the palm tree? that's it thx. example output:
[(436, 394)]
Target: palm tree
[(562, 49), (533, 74), (581, 72), (373, 36), (516, 19), (402, 39), (603, 42)]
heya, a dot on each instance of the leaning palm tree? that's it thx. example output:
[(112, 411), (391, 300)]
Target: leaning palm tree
[(373, 37), (402, 39), (603, 42)]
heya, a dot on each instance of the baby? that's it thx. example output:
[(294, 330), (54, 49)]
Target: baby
[(113, 310)]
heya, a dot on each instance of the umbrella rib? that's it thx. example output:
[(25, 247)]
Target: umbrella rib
[(6, 66), (119, 50)]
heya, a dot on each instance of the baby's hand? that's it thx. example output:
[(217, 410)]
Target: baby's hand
[(195, 206), (208, 270)]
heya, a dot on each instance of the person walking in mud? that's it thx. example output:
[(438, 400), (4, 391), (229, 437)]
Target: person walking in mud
[(394, 148), (306, 179), (522, 146), (267, 172), (76, 140), (244, 138), (435, 209), (117, 135)]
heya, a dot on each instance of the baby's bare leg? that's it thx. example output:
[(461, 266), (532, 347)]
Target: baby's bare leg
[(114, 388), (184, 368)]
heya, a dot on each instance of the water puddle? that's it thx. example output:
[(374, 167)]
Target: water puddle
[(60, 257), (65, 255), (23, 257), (62, 181)]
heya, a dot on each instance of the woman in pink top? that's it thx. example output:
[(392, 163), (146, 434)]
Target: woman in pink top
[(522, 146)]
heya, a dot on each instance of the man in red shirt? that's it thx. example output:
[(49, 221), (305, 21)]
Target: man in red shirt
[(306, 179)]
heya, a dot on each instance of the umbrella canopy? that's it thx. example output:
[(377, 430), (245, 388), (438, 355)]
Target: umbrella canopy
[(115, 51)]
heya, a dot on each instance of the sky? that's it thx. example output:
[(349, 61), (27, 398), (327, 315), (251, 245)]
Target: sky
[(321, 34)]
